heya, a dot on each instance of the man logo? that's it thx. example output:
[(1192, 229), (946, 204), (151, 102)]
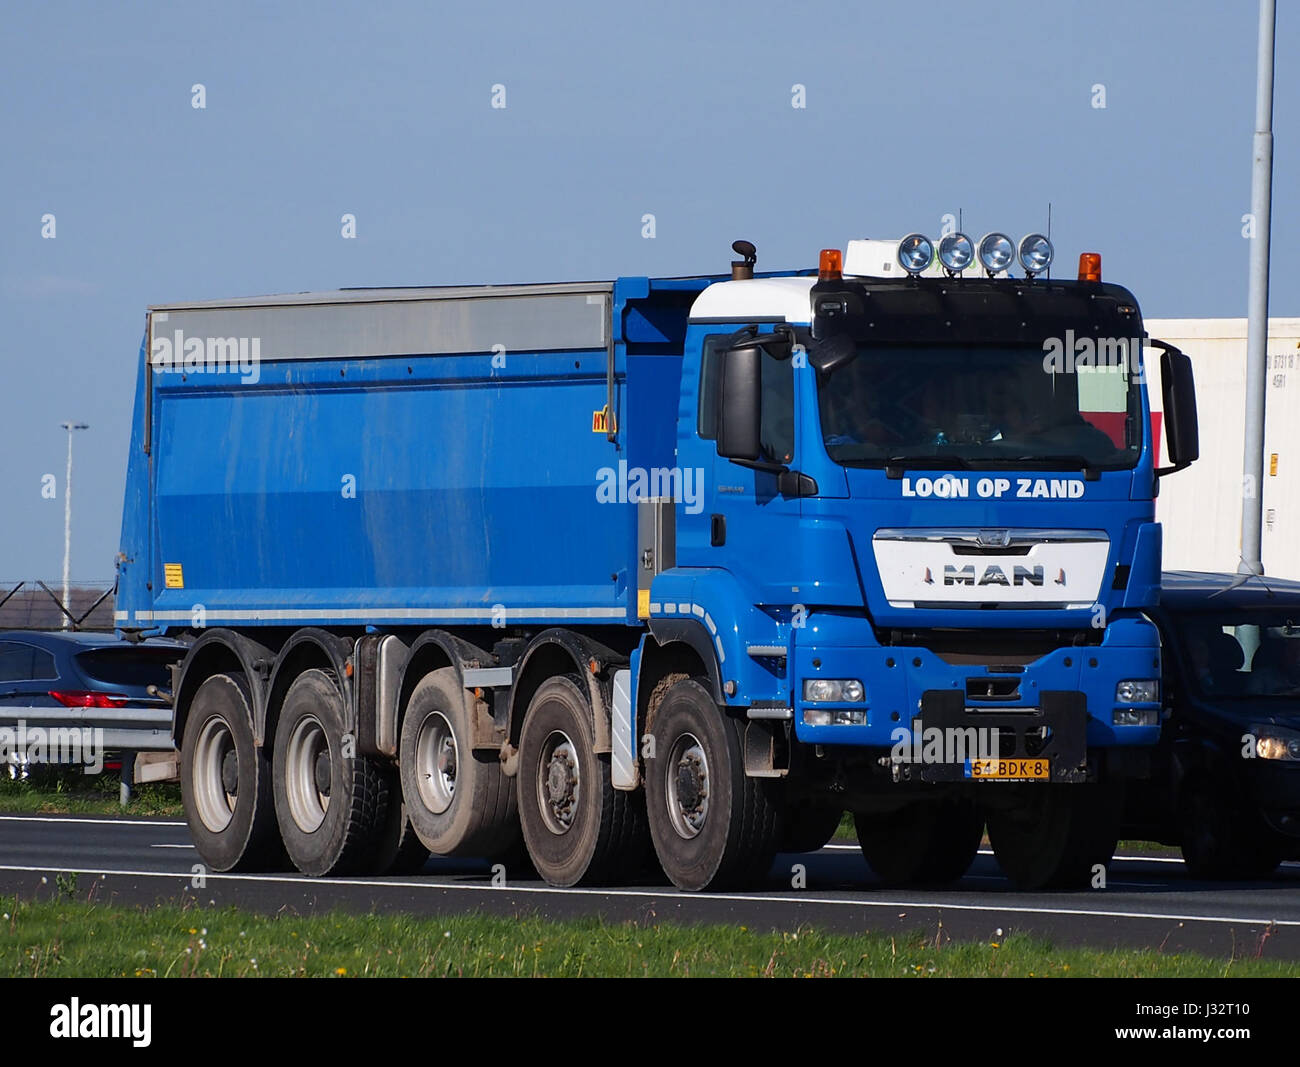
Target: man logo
[(993, 538), (992, 575)]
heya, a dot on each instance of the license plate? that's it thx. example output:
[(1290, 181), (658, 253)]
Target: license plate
[(1008, 768)]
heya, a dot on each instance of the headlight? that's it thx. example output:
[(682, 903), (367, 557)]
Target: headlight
[(1137, 691), (915, 253), (956, 252), (1135, 717), (1276, 742), (832, 690), (996, 252), (1035, 253)]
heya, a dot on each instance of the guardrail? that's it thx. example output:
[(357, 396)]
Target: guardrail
[(63, 736), (134, 729)]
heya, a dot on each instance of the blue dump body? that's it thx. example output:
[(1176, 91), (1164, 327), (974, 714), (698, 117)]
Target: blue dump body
[(491, 549), (416, 489)]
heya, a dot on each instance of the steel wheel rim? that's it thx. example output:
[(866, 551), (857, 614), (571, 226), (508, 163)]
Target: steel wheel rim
[(688, 786), (435, 762), (307, 803), (559, 784), (214, 804)]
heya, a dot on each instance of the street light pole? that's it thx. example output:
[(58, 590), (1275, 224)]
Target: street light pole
[(1261, 202), (67, 518)]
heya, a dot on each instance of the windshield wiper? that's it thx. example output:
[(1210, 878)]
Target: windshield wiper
[(1091, 471), (895, 465)]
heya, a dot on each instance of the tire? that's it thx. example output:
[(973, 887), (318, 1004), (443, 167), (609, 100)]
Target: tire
[(712, 826), (398, 849), (808, 825), (578, 828), (1220, 841), (330, 808), (458, 800), (226, 780), (926, 843), (1055, 835)]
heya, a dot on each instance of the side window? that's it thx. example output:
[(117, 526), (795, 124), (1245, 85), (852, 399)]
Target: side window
[(22, 663), (777, 432), (710, 366)]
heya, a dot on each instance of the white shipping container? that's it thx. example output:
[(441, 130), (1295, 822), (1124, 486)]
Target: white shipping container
[(1200, 508)]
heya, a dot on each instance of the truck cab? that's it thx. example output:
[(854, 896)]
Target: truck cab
[(929, 498)]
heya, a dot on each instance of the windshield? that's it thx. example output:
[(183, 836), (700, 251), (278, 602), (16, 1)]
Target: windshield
[(1257, 654), (959, 405)]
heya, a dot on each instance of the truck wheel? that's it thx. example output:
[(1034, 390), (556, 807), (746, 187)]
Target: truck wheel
[(458, 800), (578, 828), (1218, 839), (925, 843), (226, 780), (329, 806), (1055, 835), (398, 849), (806, 826), (712, 826)]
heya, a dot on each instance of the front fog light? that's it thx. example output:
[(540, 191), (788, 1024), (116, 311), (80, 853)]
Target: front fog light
[(1136, 717), (1137, 691), (833, 690), (1277, 743), (834, 717)]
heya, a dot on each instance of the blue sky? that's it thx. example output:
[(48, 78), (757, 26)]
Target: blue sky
[(682, 110)]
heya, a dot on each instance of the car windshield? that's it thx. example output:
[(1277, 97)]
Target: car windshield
[(993, 406), (1251, 654)]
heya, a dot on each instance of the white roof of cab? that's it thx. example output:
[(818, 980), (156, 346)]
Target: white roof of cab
[(757, 299)]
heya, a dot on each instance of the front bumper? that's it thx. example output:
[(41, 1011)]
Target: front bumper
[(1070, 690)]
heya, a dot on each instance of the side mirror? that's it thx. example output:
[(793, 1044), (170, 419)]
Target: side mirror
[(1179, 390), (740, 400)]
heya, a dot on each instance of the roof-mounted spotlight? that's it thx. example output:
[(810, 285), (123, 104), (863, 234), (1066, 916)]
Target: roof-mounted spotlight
[(1035, 254), (996, 252), (915, 253), (956, 252)]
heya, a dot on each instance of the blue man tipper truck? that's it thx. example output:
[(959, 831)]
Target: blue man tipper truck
[(673, 569)]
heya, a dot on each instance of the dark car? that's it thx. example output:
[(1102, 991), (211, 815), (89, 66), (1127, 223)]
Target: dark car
[(66, 669), (1226, 781)]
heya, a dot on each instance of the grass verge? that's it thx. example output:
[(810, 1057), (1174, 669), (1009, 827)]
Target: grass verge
[(72, 937), (69, 791)]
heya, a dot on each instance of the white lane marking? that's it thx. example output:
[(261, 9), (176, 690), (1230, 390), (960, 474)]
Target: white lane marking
[(742, 898), (1140, 858), (171, 846), (72, 819)]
